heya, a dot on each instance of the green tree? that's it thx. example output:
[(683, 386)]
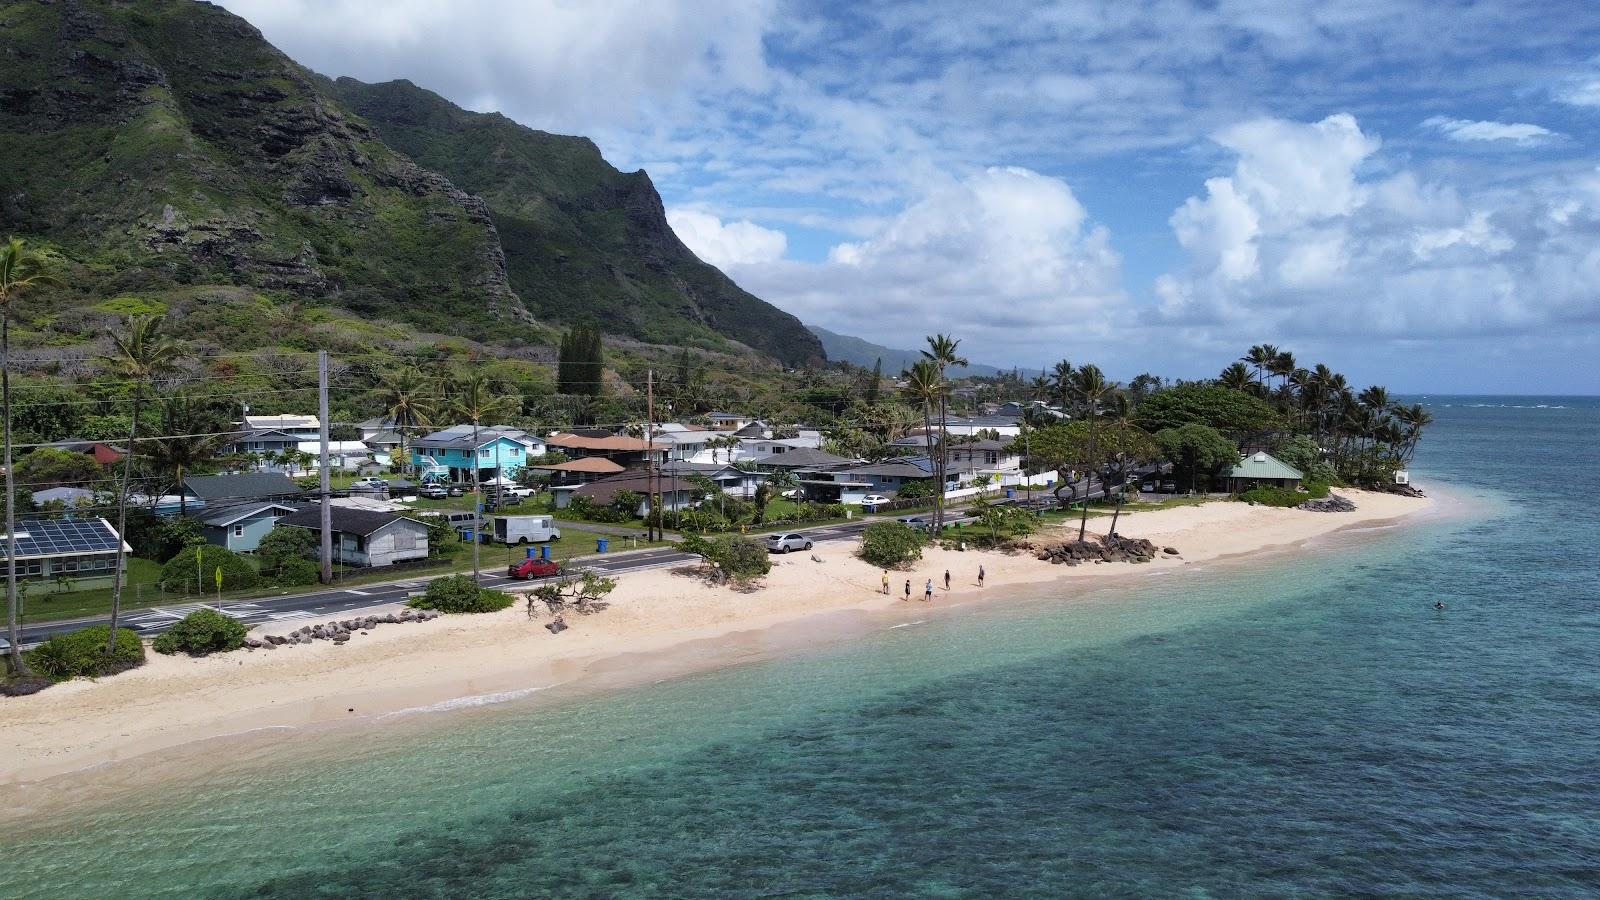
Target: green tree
[(943, 354), (580, 361), (734, 558), (283, 544), (1228, 411), (1091, 387), (405, 398), (190, 437), (201, 633), (875, 383), (139, 355), (48, 467), (1196, 449), (891, 545), (21, 269), (924, 387), (193, 571)]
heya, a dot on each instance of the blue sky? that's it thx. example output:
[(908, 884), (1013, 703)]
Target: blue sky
[(1408, 191)]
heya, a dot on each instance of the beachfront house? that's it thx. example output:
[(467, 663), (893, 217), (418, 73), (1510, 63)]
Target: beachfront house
[(78, 549), (240, 526), (1262, 469), (733, 481), (367, 537), (453, 453), (968, 457)]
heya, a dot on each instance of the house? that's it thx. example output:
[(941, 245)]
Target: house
[(1262, 469), (66, 548), (68, 497), (240, 526), (734, 482), (803, 458), (891, 476), (342, 455), (968, 457), (966, 426), (304, 428), (452, 454), (580, 471), (382, 443), (722, 421), (755, 448), (624, 450), (376, 426), (675, 493), (102, 453), (679, 443), (263, 442), (365, 537), (202, 491)]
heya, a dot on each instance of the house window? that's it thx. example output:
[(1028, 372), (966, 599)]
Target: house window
[(238, 531), (361, 544), (70, 565), (484, 453), (102, 563), (514, 450), (30, 567)]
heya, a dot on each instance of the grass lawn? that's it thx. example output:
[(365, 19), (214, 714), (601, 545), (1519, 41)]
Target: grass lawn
[(142, 590)]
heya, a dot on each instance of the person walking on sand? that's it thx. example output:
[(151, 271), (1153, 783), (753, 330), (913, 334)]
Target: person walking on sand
[(908, 590), (886, 582), (947, 579), (927, 592), (980, 574)]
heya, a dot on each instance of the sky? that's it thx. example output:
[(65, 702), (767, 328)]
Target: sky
[(1406, 191)]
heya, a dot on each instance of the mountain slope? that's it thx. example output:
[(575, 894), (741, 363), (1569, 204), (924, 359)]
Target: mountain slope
[(166, 143), (859, 352), (582, 240)]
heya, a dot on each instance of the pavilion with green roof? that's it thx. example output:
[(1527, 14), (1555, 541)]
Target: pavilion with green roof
[(1262, 469)]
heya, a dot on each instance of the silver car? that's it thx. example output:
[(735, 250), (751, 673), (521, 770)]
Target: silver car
[(783, 543)]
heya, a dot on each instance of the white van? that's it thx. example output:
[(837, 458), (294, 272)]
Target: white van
[(525, 529)]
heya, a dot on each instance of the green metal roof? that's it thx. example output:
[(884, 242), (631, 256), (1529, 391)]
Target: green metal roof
[(1264, 465)]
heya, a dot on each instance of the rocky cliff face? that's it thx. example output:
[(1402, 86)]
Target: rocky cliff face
[(167, 138), (582, 240)]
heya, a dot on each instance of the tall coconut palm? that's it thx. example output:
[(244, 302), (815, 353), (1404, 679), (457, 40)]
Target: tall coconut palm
[(140, 355), (1237, 377), (188, 441), (475, 399), (923, 386), (20, 269), (1259, 358), (1282, 365), (1061, 384), (406, 397), (1412, 420), (942, 352), (1091, 387)]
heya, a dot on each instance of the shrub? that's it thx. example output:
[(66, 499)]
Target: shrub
[(890, 545), (460, 594), (283, 546), (82, 653), (295, 572), (589, 511), (181, 575), (737, 559), (914, 490), (1283, 497), (201, 632)]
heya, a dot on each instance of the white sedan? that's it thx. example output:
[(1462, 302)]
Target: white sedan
[(871, 502)]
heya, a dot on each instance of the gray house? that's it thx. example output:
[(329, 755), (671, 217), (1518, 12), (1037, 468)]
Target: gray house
[(212, 491), (367, 538), (241, 526)]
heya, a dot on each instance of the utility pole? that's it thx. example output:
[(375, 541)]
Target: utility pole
[(327, 506), (650, 452)]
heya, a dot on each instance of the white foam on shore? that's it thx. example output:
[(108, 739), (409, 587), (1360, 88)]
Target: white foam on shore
[(466, 702), (908, 624)]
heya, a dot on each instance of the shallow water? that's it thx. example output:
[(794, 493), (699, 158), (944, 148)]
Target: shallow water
[(1311, 726)]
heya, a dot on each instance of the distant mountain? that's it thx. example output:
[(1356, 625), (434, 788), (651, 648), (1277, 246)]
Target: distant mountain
[(854, 350), (582, 240), (167, 149)]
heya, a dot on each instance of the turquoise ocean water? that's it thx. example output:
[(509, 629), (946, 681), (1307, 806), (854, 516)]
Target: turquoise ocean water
[(1307, 727)]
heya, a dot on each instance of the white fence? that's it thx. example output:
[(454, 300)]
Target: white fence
[(1043, 479)]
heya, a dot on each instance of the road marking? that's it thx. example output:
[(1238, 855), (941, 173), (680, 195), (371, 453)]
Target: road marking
[(358, 593), (295, 614)]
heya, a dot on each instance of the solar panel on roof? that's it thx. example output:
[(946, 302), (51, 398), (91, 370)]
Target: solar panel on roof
[(59, 537)]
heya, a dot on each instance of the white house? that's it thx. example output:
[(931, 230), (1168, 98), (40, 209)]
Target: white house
[(303, 427), (365, 537)]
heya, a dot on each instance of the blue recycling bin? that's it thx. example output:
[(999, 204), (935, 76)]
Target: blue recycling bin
[(600, 545), (544, 551), (531, 552), (1010, 493)]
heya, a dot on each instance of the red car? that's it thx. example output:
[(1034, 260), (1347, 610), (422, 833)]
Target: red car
[(533, 567)]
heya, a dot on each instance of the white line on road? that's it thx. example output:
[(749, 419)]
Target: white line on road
[(358, 593)]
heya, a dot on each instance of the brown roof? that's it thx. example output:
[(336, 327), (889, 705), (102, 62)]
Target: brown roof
[(592, 465), (609, 442), (639, 482)]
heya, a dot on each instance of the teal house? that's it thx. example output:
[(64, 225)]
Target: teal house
[(241, 526), (452, 454)]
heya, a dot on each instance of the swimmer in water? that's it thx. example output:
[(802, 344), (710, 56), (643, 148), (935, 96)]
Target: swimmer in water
[(1438, 604)]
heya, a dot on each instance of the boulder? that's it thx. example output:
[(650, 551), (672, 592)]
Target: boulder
[(1170, 551), (1330, 503)]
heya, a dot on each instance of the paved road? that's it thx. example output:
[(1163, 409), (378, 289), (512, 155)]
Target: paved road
[(331, 602)]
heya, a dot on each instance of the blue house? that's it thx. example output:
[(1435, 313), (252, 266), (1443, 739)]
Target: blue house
[(241, 526), (452, 454)]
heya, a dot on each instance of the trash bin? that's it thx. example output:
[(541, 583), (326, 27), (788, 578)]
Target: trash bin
[(544, 551), (1010, 493), (600, 545), (531, 552)]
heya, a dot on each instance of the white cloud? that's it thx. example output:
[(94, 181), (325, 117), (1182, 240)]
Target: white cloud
[(1005, 258), (1465, 130), (1395, 256), (726, 244), (1581, 91)]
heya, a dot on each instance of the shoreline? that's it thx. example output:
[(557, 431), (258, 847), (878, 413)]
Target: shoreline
[(661, 625)]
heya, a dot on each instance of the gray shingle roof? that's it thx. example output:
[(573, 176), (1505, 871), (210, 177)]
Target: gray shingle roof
[(804, 458), (345, 519), (246, 486)]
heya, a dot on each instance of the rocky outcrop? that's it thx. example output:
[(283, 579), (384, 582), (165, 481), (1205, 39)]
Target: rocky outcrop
[(1110, 549), (1330, 503)]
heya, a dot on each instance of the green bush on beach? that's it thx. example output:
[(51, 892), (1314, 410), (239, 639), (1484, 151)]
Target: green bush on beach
[(82, 654), (460, 594), (890, 545), (202, 632), (1283, 497)]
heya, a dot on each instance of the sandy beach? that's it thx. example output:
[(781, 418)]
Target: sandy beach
[(172, 701)]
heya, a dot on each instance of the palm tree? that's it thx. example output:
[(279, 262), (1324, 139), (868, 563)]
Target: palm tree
[(408, 404), (1237, 377), (942, 352), (1061, 384), (20, 269), (1091, 387), (1412, 419), (141, 355), (186, 446), (474, 399), (924, 386), (1259, 358), (1282, 365)]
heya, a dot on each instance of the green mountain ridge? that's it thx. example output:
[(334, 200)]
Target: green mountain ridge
[(864, 353), (168, 150)]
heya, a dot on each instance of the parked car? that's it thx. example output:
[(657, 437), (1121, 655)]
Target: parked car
[(793, 494), (784, 543), (459, 490), (433, 491), (913, 521), (871, 502), (369, 483), (533, 567)]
